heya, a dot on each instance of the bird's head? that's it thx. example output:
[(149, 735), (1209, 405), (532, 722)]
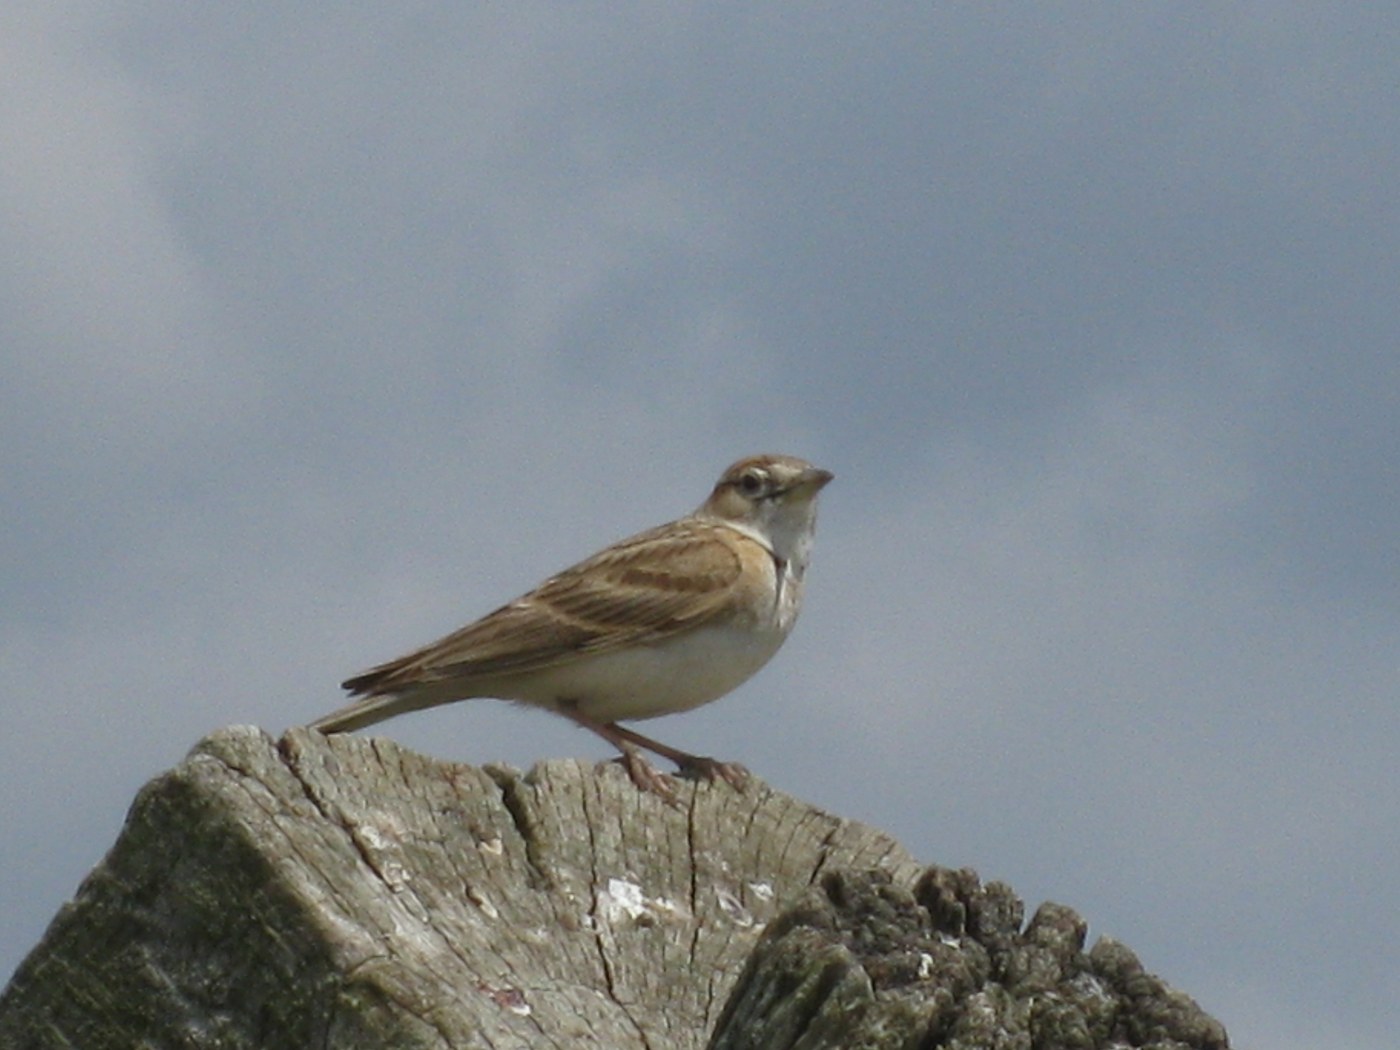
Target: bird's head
[(773, 496)]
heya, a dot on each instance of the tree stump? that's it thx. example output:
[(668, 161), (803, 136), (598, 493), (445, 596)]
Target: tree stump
[(345, 892), (862, 961)]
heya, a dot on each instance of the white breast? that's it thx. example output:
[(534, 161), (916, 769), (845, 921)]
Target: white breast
[(651, 680)]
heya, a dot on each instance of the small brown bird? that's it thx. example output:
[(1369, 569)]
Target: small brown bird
[(661, 622)]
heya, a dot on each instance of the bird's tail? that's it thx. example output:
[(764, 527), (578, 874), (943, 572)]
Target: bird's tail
[(367, 710)]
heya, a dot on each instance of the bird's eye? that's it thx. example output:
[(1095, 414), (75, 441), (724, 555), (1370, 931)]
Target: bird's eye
[(751, 482)]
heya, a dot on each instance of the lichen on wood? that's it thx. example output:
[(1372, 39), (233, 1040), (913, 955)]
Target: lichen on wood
[(345, 892)]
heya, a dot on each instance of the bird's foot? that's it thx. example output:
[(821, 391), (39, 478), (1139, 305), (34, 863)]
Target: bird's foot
[(700, 767), (646, 776)]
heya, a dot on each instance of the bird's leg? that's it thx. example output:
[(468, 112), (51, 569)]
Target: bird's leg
[(694, 765), (642, 773), (646, 776)]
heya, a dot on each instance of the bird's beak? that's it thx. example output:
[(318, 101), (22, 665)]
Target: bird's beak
[(813, 478)]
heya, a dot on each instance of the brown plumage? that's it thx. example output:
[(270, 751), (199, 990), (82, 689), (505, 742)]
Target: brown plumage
[(639, 591), (657, 623)]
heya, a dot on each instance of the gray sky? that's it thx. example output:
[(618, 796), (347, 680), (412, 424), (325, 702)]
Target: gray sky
[(327, 330)]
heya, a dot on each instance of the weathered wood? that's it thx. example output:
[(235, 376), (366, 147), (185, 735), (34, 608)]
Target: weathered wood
[(345, 892), (863, 961)]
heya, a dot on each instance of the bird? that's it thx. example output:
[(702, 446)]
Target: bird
[(658, 623)]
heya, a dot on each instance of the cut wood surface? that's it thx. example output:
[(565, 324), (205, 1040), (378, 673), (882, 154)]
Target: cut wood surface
[(345, 892)]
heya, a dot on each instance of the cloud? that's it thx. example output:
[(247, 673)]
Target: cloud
[(331, 331)]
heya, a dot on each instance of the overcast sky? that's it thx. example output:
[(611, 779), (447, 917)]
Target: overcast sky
[(328, 328)]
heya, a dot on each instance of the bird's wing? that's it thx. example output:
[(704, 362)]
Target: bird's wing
[(641, 590)]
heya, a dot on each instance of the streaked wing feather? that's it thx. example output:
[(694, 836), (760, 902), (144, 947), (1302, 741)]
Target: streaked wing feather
[(646, 588)]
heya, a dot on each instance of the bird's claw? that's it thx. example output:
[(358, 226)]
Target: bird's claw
[(647, 777), (732, 773)]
